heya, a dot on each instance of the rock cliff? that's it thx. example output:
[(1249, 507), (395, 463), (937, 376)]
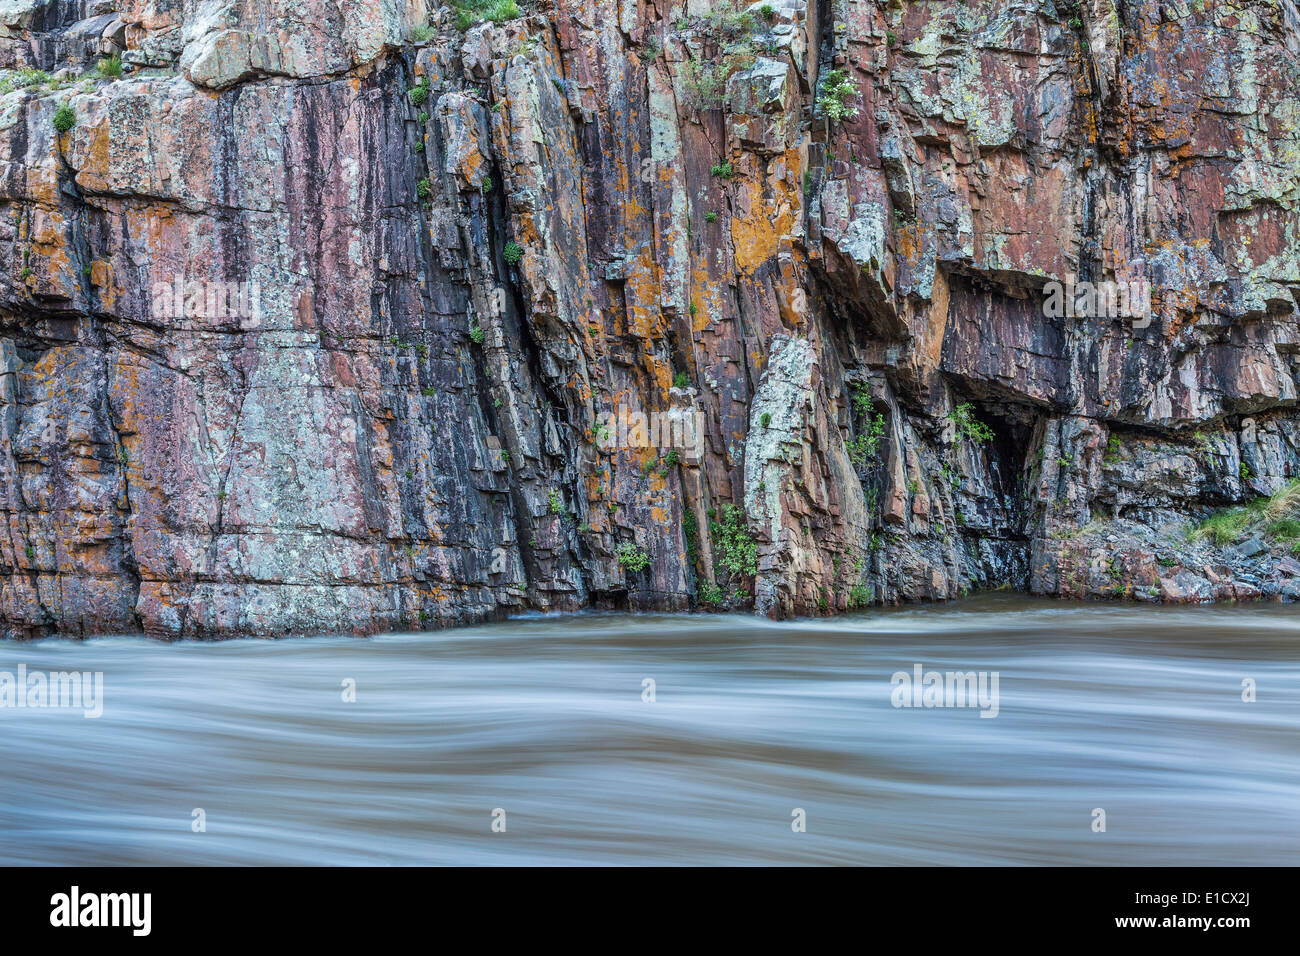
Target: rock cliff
[(354, 315)]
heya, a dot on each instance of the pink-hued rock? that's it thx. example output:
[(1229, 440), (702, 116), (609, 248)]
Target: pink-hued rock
[(330, 317)]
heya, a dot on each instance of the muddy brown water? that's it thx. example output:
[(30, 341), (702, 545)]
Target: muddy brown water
[(1134, 710)]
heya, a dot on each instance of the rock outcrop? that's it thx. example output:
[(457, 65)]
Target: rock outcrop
[(353, 315)]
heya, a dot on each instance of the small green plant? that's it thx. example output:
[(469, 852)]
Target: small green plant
[(496, 403), (1244, 471), (712, 595), (671, 460), (710, 216), (476, 334), (914, 486), (722, 171), (420, 92), (470, 13), (765, 419), (486, 185), (681, 380), (422, 33), (25, 272), (891, 38), (968, 427), (705, 81), (734, 548), (692, 309), (1112, 451), (513, 253), (860, 595), (601, 432), (64, 118), (555, 502), (419, 146), (422, 187), (861, 398), (767, 12), (632, 558), (30, 552), (865, 447), (691, 535), (836, 91), (110, 67)]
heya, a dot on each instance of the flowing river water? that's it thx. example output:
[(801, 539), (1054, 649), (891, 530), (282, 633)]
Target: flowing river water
[(748, 728)]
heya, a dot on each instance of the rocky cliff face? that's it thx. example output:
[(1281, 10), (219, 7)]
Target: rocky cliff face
[(343, 315)]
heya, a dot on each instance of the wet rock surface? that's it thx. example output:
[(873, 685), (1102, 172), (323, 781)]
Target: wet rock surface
[(333, 316)]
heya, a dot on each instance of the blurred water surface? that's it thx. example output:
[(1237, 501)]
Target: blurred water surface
[(1133, 709)]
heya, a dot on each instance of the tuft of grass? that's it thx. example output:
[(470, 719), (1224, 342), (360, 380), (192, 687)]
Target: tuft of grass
[(110, 67), (1276, 516), (470, 13), (22, 79), (65, 117), (1227, 527)]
